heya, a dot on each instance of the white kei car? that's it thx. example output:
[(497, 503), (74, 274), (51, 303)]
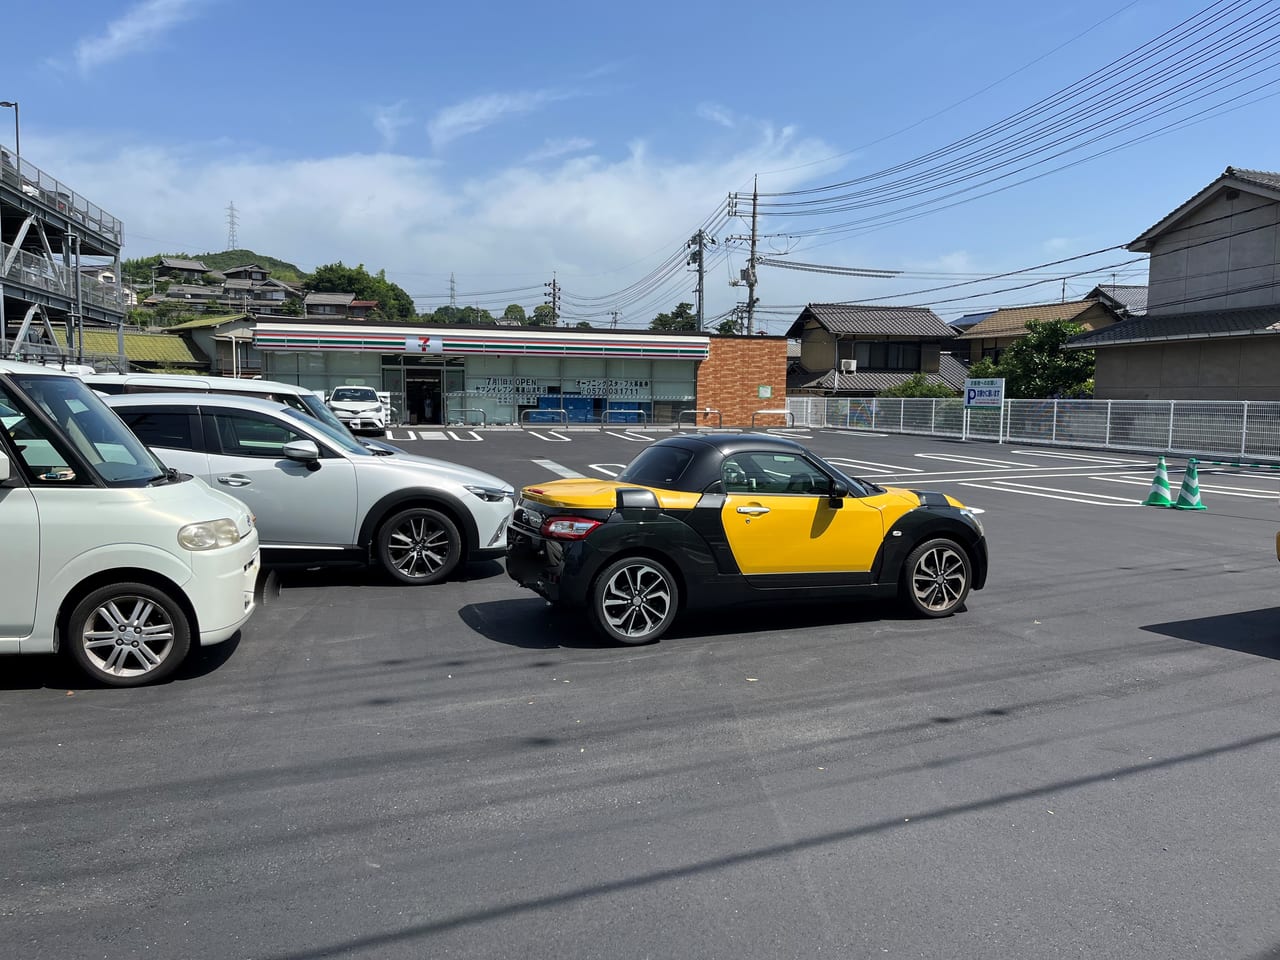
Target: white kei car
[(318, 495)]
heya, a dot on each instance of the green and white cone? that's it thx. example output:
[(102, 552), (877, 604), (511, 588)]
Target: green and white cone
[(1189, 495), (1160, 494)]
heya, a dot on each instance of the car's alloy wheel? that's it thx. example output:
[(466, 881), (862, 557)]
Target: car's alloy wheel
[(128, 634), (419, 546), (634, 600), (937, 577)]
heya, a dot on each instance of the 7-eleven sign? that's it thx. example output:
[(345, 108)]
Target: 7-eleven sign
[(424, 344)]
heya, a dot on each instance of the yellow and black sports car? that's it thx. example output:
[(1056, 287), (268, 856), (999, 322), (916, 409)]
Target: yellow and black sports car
[(717, 519)]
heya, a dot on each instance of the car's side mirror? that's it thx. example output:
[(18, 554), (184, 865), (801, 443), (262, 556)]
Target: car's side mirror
[(4, 468), (304, 450), (835, 496)]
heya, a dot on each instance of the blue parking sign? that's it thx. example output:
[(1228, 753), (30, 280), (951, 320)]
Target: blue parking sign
[(984, 393)]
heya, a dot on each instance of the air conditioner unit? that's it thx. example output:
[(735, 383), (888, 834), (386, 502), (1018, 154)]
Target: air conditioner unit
[(848, 366)]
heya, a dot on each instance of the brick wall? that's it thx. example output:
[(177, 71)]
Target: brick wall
[(729, 380)]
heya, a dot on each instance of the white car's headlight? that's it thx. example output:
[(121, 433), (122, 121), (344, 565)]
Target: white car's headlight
[(208, 535), (492, 494)]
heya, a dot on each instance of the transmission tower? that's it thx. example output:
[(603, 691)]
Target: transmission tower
[(233, 242), (453, 291)]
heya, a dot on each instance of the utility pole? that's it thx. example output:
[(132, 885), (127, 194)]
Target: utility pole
[(616, 315), (699, 241), (554, 287), (751, 262)]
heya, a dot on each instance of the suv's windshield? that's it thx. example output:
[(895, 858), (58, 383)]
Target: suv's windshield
[(117, 457), (355, 394)]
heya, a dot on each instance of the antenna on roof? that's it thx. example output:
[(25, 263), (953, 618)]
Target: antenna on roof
[(233, 242)]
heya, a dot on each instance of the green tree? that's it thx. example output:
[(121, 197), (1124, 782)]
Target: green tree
[(393, 302), (514, 312), (582, 325), (474, 315), (291, 307), (1036, 367), (984, 369), (729, 326), (543, 316), (918, 385), (681, 318)]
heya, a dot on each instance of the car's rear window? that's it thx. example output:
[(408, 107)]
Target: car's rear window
[(660, 467)]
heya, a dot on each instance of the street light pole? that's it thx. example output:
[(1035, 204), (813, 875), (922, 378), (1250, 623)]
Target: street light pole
[(17, 132)]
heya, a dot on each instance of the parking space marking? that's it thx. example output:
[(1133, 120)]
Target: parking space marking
[(877, 468), (1030, 491), (1251, 493), (605, 468), (560, 469), (977, 461), (555, 436), (1078, 456), (858, 433), (628, 435), (414, 435), (474, 438)]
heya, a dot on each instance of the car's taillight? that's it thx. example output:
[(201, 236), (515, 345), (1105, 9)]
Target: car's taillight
[(568, 528)]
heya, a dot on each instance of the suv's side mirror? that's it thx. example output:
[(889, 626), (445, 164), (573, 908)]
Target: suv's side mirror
[(305, 450)]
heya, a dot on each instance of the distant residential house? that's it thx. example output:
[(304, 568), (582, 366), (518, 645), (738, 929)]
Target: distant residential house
[(1127, 300), (251, 272), (359, 309), (227, 342), (328, 305), (184, 271), (1212, 326), (857, 350), (969, 320), (989, 338)]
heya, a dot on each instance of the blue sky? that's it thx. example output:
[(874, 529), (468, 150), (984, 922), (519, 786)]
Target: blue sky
[(501, 142)]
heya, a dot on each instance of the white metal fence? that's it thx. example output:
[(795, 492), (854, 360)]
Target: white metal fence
[(1244, 429)]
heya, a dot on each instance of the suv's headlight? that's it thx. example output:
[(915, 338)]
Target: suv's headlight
[(492, 494), (208, 535)]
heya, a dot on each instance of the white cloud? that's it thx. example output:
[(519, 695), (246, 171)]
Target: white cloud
[(716, 114), (552, 149), (477, 113), (389, 120), (136, 30), (601, 222)]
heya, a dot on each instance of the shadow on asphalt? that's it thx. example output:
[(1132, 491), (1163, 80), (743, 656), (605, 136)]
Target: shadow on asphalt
[(535, 625), (1250, 631), (54, 672), (357, 575)]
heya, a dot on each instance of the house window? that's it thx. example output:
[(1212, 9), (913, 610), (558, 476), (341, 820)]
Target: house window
[(885, 355)]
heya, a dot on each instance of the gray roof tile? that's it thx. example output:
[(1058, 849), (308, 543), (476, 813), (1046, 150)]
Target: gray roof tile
[(951, 372), (853, 318), (1203, 325)]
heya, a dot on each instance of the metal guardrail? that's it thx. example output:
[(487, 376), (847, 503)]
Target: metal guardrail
[(789, 418), (706, 412), (563, 421), (484, 419), (643, 417), (31, 181), (1245, 429)]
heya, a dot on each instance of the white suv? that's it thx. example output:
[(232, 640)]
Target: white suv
[(321, 497), (360, 408), (103, 551)]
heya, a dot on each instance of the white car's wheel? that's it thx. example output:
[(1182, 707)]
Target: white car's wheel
[(128, 634), (419, 546)]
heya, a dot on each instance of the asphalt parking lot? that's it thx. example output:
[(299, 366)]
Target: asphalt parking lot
[(1083, 763)]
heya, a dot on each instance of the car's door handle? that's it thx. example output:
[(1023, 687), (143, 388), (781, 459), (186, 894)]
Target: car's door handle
[(755, 511), (235, 480)]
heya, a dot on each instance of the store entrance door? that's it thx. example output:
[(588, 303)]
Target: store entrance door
[(422, 396)]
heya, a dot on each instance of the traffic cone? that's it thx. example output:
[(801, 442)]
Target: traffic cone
[(1189, 495), (1159, 495)]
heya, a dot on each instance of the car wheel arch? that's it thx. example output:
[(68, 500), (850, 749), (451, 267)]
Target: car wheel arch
[(649, 553), (122, 575), (915, 528), (393, 503)]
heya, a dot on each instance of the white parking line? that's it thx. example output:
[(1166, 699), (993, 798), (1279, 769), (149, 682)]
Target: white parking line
[(605, 468), (1077, 456), (872, 465), (556, 437), (474, 438), (560, 469), (1040, 492), (1251, 493), (977, 461), (628, 435)]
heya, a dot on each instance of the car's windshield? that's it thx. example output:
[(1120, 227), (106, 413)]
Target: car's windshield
[(857, 487), (117, 457), (341, 438), (354, 393)]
